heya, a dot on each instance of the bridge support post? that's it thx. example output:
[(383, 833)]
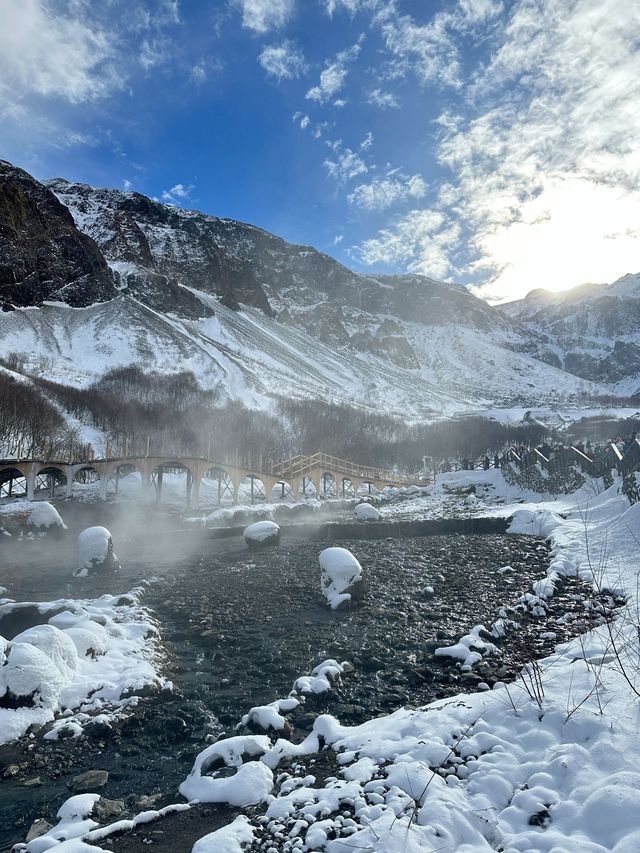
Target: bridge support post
[(195, 498), (68, 470), (189, 486), (31, 485), (159, 485), (104, 480)]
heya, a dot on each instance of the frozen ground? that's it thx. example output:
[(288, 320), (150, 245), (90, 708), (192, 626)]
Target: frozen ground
[(549, 763)]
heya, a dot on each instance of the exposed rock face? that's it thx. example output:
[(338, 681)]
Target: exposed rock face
[(157, 247), (594, 329), (160, 250), (42, 253)]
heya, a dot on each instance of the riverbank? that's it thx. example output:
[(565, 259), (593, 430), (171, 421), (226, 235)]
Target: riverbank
[(506, 715)]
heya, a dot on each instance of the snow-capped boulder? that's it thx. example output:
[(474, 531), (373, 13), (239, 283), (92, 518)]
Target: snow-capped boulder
[(95, 547), (55, 644), (341, 579), (366, 512), (37, 517), (30, 678), (261, 534)]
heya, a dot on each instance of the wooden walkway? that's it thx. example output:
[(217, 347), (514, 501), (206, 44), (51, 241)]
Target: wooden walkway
[(319, 474)]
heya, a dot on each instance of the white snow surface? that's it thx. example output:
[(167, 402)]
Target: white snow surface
[(38, 514), (93, 546), (229, 839), (260, 531), (84, 658), (339, 570), (366, 512)]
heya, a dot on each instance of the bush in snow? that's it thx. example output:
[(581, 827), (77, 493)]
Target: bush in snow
[(341, 579), (95, 547), (261, 534), (366, 512)]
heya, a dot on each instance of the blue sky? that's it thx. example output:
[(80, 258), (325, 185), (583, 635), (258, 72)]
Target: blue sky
[(490, 142)]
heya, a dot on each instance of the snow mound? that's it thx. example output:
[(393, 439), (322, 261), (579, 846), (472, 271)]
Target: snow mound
[(322, 678), (95, 550), (233, 838), (262, 533), (44, 514), (366, 512), (38, 516), (88, 657), (341, 579), (251, 782)]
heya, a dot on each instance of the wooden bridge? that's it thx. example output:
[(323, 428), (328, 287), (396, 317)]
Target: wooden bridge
[(299, 476)]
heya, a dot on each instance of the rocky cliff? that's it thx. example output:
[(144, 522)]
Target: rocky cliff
[(42, 254)]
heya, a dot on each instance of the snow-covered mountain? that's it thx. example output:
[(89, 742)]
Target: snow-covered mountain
[(122, 279), (594, 330)]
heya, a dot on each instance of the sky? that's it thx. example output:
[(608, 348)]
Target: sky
[(486, 142)]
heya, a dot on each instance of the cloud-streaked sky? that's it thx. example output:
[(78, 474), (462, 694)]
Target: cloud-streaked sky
[(488, 142)]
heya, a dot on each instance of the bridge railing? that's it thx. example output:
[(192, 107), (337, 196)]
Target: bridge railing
[(297, 466)]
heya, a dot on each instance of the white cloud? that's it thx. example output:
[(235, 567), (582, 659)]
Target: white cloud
[(420, 242), (284, 61), (334, 74), (550, 168), (302, 120), (574, 231), (198, 73), (177, 194), (347, 164), (367, 142), (384, 100), (383, 193), (264, 15), (542, 145), (331, 81), (53, 54), (126, 184)]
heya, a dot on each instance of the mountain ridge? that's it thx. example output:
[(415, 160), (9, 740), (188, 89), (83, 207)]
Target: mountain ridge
[(242, 306)]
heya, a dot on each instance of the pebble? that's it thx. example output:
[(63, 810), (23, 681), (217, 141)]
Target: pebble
[(38, 828), (89, 780)]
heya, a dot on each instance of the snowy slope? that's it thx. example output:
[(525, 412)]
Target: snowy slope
[(250, 357)]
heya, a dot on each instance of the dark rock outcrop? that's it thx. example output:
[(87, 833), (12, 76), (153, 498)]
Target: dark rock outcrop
[(42, 253)]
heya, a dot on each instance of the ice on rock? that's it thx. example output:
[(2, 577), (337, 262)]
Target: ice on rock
[(95, 547), (341, 578), (367, 512), (262, 533)]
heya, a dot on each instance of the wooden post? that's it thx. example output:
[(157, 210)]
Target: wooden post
[(126, 445), (148, 441)]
